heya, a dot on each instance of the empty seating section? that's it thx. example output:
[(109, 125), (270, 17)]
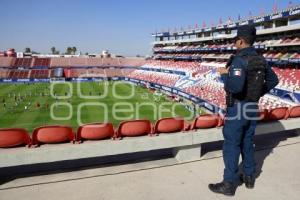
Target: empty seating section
[(289, 78), (78, 62), (194, 56), (23, 62), (84, 73), (39, 73), (192, 51), (209, 91), (172, 65), (271, 102), (52, 135), (203, 72), (209, 87), (134, 128), (19, 74), (228, 46), (4, 73), (203, 80), (294, 112), (110, 62), (169, 125), (13, 137), (16, 137), (60, 62), (131, 62), (96, 72), (275, 55), (205, 83), (68, 73), (95, 132), (155, 77), (197, 47), (189, 67), (96, 62), (269, 55), (41, 62), (206, 121), (6, 61), (118, 72), (278, 113), (282, 42)]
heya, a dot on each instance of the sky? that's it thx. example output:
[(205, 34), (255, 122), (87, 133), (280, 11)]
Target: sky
[(121, 26)]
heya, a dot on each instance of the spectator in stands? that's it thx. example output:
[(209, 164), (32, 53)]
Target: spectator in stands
[(246, 79)]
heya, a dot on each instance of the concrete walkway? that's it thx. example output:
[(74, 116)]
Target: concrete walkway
[(166, 179)]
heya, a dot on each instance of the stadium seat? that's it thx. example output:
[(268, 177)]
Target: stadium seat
[(206, 121), (52, 135), (222, 120), (294, 112), (277, 113), (23, 62), (263, 115), (169, 125), (41, 62), (134, 128), (96, 131), (14, 137)]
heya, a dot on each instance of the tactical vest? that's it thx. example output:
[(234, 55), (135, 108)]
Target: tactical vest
[(255, 80)]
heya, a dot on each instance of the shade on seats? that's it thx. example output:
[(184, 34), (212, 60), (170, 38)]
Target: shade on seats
[(206, 121), (96, 131), (134, 128), (14, 137), (294, 112), (169, 125), (52, 135), (277, 113)]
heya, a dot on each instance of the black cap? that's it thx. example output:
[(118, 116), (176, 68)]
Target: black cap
[(246, 32)]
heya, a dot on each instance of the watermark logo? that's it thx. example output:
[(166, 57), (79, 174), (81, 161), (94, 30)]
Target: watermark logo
[(121, 110)]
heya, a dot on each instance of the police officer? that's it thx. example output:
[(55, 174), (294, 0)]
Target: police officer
[(242, 110)]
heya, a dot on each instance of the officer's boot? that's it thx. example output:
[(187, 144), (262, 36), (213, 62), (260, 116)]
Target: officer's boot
[(225, 188), (248, 180)]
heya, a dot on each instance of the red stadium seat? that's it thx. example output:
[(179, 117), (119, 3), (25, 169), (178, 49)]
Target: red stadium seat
[(169, 125), (134, 128), (206, 121), (96, 131), (14, 137), (263, 115), (52, 135), (277, 113), (294, 112)]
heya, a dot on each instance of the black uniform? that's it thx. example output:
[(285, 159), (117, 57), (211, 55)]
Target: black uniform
[(248, 79)]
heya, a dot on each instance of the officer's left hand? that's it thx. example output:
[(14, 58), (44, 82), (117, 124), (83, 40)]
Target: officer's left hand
[(222, 70)]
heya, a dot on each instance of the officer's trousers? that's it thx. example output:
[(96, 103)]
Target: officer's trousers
[(238, 131)]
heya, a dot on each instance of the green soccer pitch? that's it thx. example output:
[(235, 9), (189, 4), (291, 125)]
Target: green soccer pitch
[(88, 102)]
